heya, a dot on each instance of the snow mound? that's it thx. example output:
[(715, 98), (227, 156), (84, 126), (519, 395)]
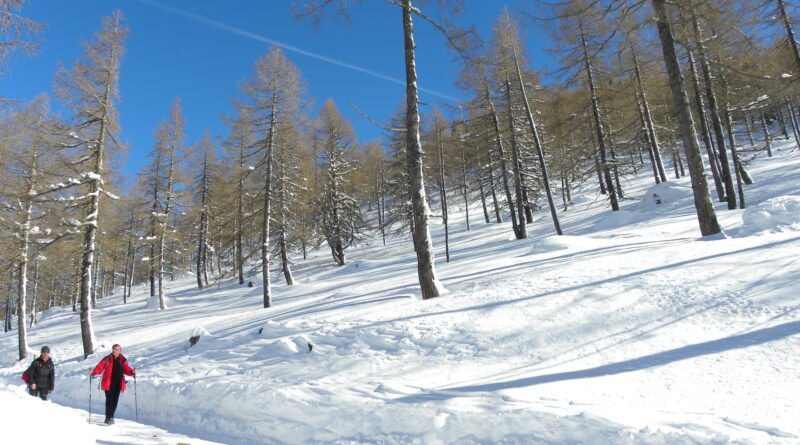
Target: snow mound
[(781, 214), (664, 198)]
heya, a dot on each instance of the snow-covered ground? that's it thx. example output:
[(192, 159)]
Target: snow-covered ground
[(26, 420), (629, 329)]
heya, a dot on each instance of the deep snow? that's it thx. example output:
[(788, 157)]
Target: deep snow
[(628, 329)]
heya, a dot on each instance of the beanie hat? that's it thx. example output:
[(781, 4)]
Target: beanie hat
[(45, 349)]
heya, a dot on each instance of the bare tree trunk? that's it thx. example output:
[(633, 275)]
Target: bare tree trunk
[(712, 156), (782, 123), (382, 202), (127, 278), (218, 249), (767, 140), (464, 186), (426, 269), (152, 261), (795, 129), (162, 304), (650, 150), (443, 191), (95, 276), (492, 188), (285, 265), (35, 295), (7, 322), (480, 172), (789, 33), (498, 137), (287, 271), (113, 276), (268, 204), (598, 168), (601, 138), (521, 230), (727, 178), (732, 142), (537, 143), (705, 210), (201, 236), (22, 285), (748, 125), (614, 162)]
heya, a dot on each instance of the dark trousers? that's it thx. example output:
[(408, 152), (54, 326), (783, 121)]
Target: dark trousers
[(112, 397), (41, 393)]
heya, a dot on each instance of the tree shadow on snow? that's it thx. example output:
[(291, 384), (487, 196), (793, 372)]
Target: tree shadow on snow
[(648, 361), (612, 279)]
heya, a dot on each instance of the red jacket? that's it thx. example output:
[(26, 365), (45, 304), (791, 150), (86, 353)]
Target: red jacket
[(106, 366)]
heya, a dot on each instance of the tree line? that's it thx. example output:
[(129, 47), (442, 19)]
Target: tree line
[(697, 89)]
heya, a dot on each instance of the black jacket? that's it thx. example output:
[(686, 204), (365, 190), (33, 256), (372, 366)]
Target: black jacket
[(42, 373)]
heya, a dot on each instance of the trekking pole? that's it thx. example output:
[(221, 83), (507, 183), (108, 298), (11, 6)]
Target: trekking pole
[(135, 398), (90, 397)]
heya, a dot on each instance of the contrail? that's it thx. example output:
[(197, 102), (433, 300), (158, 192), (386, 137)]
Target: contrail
[(260, 38)]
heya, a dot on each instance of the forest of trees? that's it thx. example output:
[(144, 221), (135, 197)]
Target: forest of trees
[(696, 88)]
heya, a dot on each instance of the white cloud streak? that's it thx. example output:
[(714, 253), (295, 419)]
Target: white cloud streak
[(294, 49)]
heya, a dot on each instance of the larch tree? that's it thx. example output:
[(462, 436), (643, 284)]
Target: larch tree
[(237, 147), (583, 28), (162, 177), (24, 214), (90, 89), (15, 32), (714, 107), (288, 192), (430, 285), (438, 140), (511, 48), (340, 216), (205, 160), (272, 96), (503, 37), (705, 210)]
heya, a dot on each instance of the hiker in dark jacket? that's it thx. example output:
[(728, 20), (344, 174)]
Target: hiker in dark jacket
[(112, 366), (41, 375)]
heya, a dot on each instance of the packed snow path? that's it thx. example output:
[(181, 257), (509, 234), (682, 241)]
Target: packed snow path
[(630, 329), (46, 423)]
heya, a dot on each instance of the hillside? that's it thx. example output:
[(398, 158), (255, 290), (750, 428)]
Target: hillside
[(628, 329)]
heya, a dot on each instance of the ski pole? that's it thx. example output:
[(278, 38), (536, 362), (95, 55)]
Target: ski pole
[(90, 397), (135, 398)]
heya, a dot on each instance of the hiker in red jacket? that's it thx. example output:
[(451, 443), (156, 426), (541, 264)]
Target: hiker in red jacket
[(112, 367)]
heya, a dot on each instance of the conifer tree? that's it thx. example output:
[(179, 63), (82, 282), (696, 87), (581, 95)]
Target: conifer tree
[(340, 219), (273, 96), (90, 88)]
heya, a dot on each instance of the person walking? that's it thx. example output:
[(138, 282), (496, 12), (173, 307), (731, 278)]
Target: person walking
[(41, 375), (114, 368)]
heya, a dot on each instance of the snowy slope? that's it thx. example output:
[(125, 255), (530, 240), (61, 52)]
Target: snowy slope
[(629, 329)]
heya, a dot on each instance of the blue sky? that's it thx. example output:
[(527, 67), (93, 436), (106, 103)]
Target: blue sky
[(172, 54)]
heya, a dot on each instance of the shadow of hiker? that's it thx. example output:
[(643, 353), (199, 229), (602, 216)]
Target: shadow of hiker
[(648, 361)]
